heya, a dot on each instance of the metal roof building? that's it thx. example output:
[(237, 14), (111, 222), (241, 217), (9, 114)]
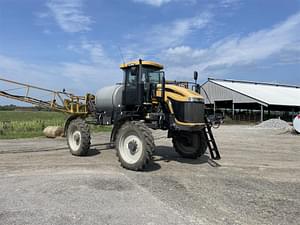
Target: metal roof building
[(237, 94)]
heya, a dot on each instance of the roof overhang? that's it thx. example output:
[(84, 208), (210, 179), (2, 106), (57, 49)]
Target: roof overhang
[(257, 100), (266, 94)]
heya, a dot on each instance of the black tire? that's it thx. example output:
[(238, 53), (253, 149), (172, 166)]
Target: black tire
[(135, 145), (190, 144), (78, 137)]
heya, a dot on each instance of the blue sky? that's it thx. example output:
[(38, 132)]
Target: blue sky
[(74, 44)]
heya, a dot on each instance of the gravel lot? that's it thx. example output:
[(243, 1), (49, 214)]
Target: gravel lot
[(256, 182)]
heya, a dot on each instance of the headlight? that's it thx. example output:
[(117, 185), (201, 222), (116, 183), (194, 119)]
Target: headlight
[(193, 99)]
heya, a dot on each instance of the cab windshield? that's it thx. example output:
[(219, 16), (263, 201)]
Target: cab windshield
[(152, 76)]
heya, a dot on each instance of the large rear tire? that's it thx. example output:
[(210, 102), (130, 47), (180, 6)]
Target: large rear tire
[(78, 137), (190, 144), (135, 145)]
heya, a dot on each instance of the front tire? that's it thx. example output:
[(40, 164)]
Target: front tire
[(135, 145), (190, 144), (78, 137)]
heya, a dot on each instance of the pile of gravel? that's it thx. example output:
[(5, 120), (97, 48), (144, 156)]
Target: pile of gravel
[(274, 124)]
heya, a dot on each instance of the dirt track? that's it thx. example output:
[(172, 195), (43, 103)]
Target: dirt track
[(257, 182)]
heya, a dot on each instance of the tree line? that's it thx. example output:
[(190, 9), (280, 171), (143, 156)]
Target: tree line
[(12, 107)]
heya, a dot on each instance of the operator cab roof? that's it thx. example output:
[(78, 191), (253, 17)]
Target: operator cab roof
[(144, 63)]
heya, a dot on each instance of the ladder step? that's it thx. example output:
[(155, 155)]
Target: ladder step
[(213, 148)]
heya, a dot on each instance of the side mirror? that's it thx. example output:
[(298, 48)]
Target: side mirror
[(195, 76), (197, 88)]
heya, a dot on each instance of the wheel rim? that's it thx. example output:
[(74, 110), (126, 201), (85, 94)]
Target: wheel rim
[(74, 139), (130, 148)]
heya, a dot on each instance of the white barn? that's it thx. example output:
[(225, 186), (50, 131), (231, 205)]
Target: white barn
[(237, 95)]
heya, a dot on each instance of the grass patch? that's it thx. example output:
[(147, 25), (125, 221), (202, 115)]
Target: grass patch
[(31, 124)]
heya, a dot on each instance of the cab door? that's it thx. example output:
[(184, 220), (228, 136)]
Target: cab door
[(134, 87)]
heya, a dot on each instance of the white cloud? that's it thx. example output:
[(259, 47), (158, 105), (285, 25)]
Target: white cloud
[(42, 15), (236, 51), (166, 35), (74, 78), (69, 15), (93, 70), (19, 70), (153, 2), (46, 76), (158, 3), (228, 3), (94, 50), (176, 32), (96, 69), (47, 31)]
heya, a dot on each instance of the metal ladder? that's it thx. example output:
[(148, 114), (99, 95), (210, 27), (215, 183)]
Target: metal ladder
[(212, 145)]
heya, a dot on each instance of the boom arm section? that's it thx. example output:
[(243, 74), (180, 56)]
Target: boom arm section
[(60, 101)]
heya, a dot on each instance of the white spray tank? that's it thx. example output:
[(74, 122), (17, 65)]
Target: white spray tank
[(296, 123)]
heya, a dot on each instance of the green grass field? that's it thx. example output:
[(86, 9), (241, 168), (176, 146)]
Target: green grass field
[(15, 124)]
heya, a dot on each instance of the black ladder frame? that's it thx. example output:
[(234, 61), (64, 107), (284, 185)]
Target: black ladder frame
[(212, 145)]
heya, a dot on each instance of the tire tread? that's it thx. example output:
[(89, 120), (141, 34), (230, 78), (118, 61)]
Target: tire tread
[(85, 136), (199, 151), (144, 133)]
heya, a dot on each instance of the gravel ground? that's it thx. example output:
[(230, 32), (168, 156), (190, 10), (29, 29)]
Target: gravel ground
[(256, 182), (274, 124)]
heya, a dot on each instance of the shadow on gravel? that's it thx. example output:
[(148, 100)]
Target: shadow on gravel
[(152, 167), (97, 148), (167, 154), (93, 152)]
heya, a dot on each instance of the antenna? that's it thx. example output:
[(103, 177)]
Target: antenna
[(121, 54)]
